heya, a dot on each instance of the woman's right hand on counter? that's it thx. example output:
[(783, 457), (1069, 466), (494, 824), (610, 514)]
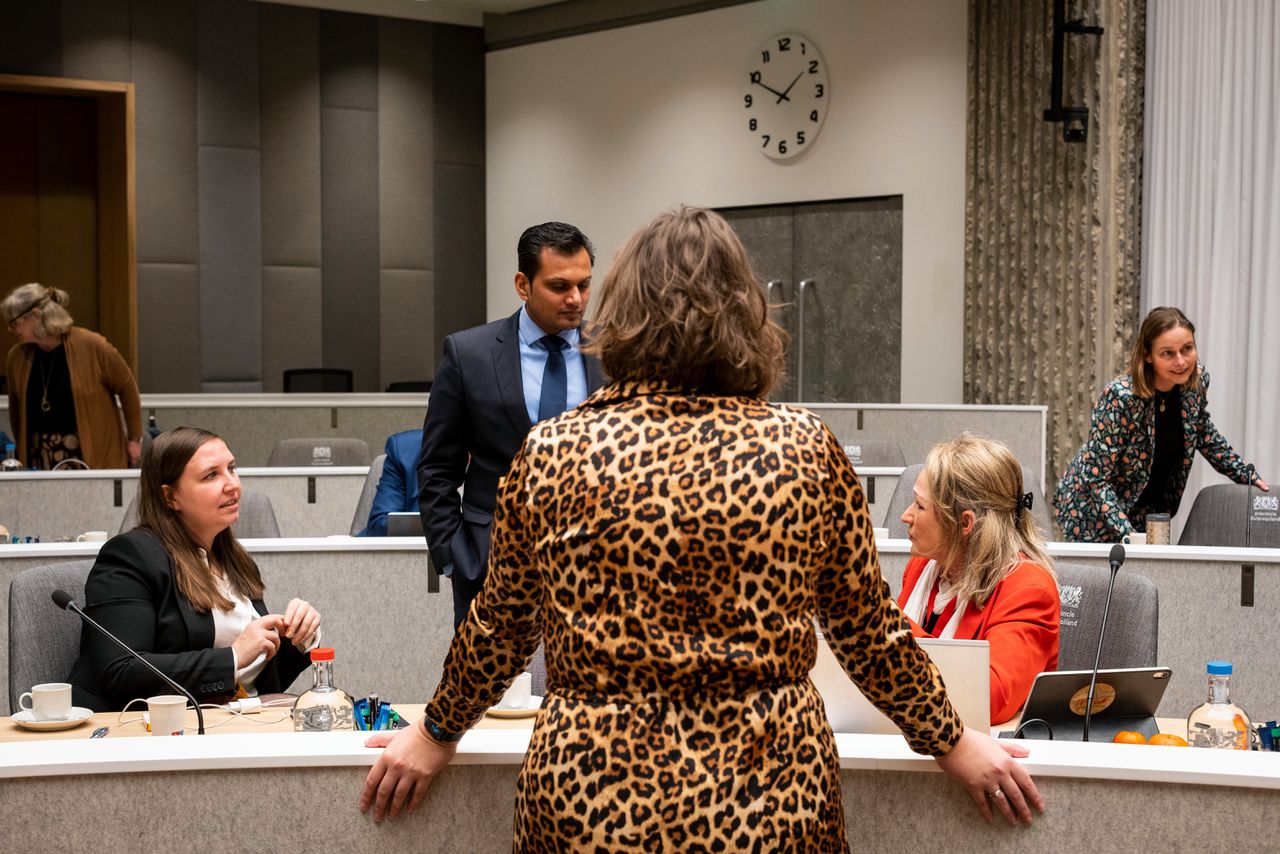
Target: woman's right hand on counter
[(987, 770)]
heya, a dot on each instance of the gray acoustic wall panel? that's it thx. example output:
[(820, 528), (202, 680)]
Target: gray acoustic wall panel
[(169, 323), (290, 79), (459, 280), (349, 228), (227, 88), (230, 195), (457, 55), (164, 71), (405, 146), (290, 322), (230, 265), (95, 39), (349, 60), (406, 297), (31, 38)]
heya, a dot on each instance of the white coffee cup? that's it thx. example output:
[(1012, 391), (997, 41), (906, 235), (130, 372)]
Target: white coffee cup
[(168, 714), (93, 537), (519, 695), (50, 701), (1137, 538)]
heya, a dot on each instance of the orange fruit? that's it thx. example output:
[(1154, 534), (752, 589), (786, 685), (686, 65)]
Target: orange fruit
[(1128, 736), (1168, 739)]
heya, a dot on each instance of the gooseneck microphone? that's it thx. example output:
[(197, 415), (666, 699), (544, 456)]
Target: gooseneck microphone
[(1248, 504), (63, 600), (1116, 560)]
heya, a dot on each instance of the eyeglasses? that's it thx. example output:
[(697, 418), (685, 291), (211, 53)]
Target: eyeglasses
[(14, 320)]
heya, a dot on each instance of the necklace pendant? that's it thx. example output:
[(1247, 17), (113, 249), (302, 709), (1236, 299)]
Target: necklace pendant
[(44, 405), (1162, 406)]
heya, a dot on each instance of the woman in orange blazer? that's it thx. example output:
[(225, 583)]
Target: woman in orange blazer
[(979, 569)]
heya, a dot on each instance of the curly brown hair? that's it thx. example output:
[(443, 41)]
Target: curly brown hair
[(681, 305)]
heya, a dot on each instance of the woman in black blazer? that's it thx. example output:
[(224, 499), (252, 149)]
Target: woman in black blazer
[(182, 591)]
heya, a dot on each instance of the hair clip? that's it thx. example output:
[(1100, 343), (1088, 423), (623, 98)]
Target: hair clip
[(1026, 500)]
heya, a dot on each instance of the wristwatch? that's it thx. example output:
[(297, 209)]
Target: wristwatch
[(438, 732)]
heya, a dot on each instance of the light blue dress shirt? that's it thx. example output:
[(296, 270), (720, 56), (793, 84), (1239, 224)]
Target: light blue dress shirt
[(533, 361)]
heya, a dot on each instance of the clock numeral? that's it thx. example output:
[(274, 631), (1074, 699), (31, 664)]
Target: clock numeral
[(813, 66), (818, 90), (784, 44), (800, 138), (755, 77), (765, 144), (782, 146), (747, 101), (813, 116), (764, 56), (803, 48), (752, 125)]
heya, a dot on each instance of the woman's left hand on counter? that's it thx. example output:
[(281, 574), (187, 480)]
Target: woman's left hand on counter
[(985, 767), (301, 622), (1262, 484), (403, 773)]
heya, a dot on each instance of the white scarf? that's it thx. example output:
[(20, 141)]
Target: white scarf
[(918, 601)]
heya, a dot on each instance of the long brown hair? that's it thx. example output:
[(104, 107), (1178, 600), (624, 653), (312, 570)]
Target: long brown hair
[(983, 476), (681, 305), (162, 466), (1159, 321)]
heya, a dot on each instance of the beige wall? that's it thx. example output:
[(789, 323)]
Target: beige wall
[(604, 130)]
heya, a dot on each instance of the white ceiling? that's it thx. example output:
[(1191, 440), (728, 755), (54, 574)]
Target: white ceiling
[(467, 12)]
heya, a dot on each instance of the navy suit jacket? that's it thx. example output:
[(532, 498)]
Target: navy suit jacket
[(133, 593), (476, 421), (397, 490)]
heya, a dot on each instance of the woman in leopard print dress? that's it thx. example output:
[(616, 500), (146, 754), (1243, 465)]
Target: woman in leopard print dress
[(670, 541)]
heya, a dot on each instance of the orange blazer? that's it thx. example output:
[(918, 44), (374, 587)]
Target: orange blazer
[(1019, 621)]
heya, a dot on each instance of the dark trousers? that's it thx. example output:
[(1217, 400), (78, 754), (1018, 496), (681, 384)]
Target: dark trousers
[(464, 590)]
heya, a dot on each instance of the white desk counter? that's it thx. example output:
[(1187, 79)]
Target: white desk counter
[(184, 794)]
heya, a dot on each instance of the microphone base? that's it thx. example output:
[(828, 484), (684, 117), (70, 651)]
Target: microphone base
[(1101, 730)]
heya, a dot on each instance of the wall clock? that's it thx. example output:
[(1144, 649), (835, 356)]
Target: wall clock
[(786, 97)]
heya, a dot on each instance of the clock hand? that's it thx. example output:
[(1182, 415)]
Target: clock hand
[(782, 96)]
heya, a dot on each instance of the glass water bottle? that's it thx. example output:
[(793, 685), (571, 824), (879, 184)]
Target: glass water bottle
[(1219, 723), (325, 708)]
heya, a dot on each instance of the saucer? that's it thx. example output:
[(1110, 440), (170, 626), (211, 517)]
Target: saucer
[(26, 720), (530, 710)]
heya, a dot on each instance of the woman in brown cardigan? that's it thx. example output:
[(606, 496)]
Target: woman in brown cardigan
[(63, 386)]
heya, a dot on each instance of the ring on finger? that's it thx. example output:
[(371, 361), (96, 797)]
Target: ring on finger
[(996, 794)]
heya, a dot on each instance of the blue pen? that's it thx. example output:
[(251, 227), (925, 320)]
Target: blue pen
[(384, 716), (361, 706)]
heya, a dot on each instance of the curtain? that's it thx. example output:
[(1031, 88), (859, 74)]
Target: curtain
[(1211, 208)]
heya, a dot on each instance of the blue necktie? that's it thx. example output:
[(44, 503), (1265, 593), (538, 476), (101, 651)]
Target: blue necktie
[(555, 379)]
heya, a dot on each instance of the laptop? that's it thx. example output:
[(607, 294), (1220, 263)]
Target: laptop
[(965, 666), (1125, 698), (404, 524)]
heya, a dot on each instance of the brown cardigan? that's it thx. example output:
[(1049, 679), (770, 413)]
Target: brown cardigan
[(98, 375)]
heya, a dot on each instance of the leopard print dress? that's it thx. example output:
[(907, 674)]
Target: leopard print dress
[(671, 549)]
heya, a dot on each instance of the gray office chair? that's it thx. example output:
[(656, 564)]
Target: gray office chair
[(1224, 515), (320, 452), (902, 497), (365, 504), (43, 640), (1133, 626), (257, 518), (874, 453)]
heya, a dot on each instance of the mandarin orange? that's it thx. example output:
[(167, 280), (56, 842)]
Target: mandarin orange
[(1168, 739), (1128, 736)]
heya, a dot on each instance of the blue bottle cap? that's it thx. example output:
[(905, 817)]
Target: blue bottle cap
[(1219, 668)]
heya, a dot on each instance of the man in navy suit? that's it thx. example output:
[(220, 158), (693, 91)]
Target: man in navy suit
[(493, 383), (397, 490)]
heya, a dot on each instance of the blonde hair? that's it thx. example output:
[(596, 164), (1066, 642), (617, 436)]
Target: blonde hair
[(681, 305), (52, 317), (983, 476), (1158, 321)]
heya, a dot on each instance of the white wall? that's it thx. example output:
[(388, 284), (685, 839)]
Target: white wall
[(607, 129)]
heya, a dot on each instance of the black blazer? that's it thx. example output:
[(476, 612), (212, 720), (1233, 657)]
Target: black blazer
[(133, 592), (476, 421)]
